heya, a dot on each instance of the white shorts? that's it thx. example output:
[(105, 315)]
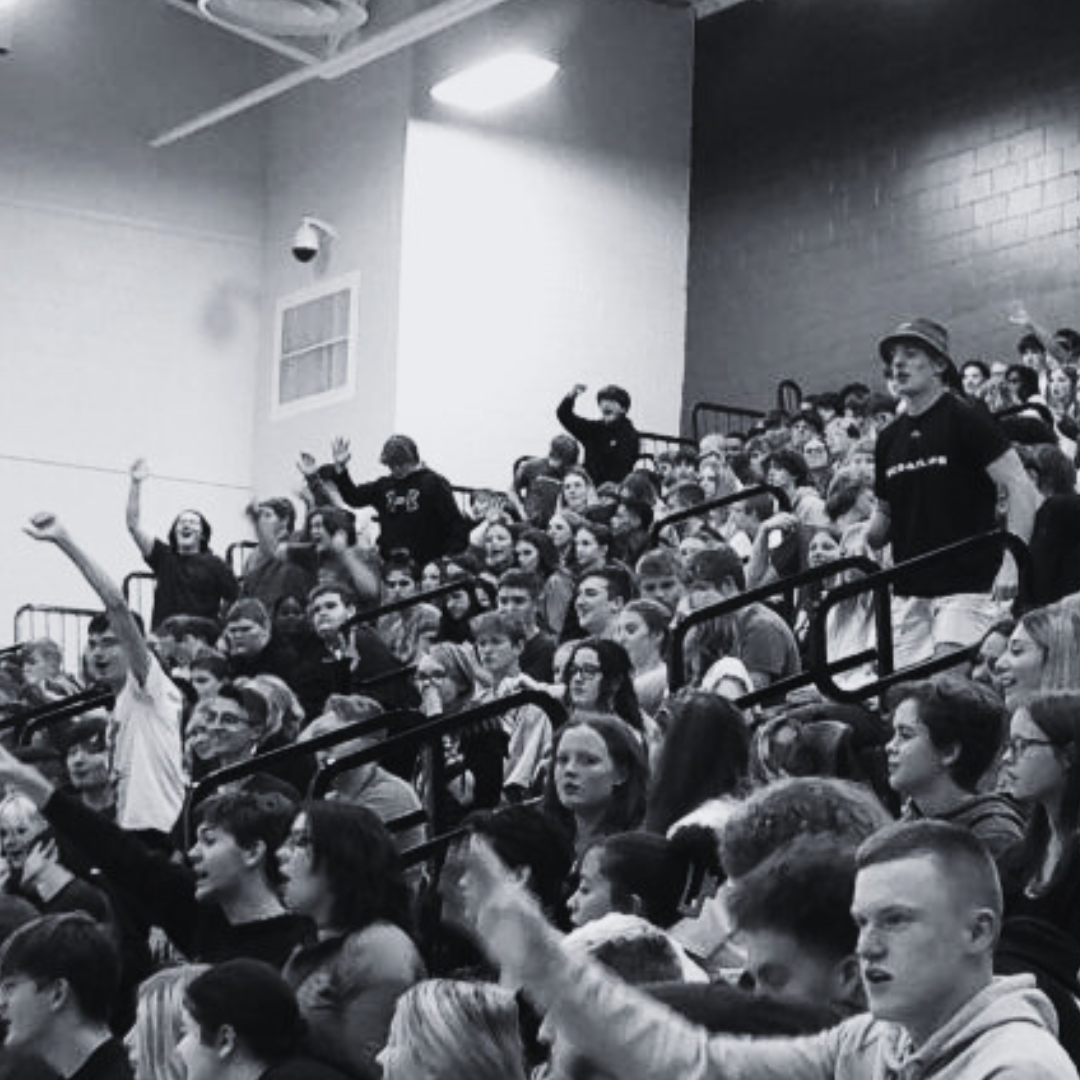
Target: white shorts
[(923, 624)]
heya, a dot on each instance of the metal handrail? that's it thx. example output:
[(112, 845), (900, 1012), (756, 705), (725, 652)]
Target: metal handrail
[(782, 687), (94, 697), (789, 396), (703, 509), (432, 733), (137, 604), (436, 845), (727, 411), (261, 762), (664, 441), (238, 548), (878, 583), (451, 585), (676, 662)]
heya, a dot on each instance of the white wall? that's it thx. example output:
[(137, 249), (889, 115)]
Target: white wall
[(501, 262), (131, 280), (547, 246), (336, 150)]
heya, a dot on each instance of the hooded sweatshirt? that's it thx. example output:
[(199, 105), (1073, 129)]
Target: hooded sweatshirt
[(1005, 1032), (994, 818)]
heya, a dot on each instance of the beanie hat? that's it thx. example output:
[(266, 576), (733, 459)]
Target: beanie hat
[(614, 393)]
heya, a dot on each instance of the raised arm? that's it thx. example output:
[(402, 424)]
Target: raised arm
[(165, 889), (138, 472), (578, 426), (46, 527), (1021, 317), (365, 581), (635, 1036)]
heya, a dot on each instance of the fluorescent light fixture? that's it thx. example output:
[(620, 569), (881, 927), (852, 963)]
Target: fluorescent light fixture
[(495, 83)]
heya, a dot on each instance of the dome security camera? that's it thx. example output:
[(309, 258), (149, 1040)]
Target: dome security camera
[(308, 238)]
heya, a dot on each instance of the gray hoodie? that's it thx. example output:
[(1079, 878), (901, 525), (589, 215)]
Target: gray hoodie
[(1005, 1032)]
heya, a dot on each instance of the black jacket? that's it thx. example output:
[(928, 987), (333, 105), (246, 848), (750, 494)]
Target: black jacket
[(417, 512), (611, 450)]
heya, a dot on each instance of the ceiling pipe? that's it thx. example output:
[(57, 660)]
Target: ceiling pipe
[(401, 35)]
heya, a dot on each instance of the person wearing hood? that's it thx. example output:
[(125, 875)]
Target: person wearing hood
[(416, 506), (947, 733), (927, 905)]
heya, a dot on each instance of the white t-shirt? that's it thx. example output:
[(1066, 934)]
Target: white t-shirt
[(147, 753)]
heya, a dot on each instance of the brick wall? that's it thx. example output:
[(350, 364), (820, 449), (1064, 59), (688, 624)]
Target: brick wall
[(859, 161)]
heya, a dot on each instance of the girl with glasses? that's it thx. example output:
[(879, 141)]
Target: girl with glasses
[(1040, 770)]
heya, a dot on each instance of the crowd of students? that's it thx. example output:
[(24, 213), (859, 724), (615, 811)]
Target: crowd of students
[(643, 853)]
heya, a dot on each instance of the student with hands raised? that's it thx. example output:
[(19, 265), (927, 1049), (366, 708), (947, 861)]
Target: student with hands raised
[(927, 903), (147, 755)]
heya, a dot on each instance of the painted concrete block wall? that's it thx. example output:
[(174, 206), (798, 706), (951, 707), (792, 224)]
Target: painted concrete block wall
[(858, 163), (130, 283)]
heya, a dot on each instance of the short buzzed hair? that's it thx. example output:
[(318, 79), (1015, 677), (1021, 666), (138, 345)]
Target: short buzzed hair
[(958, 853)]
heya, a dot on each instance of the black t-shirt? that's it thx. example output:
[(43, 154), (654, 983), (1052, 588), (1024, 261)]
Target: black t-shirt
[(196, 584), (1055, 549), (108, 1062), (931, 470), (303, 1069)]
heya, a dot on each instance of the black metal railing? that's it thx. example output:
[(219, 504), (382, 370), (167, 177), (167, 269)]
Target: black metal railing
[(789, 396), (431, 734), (703, 510), (879, 584), (712, 418), (451, 585), (236, 555), (651, 443), (731, 605), (138, 588), (272, 759), (27, 721), (466, 497)]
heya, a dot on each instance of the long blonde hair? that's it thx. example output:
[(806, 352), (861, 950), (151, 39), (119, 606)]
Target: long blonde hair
[(457, 1029), (1056, 630), (158, 1027)]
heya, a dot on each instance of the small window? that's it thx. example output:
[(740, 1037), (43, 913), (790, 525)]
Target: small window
[(316, 335)]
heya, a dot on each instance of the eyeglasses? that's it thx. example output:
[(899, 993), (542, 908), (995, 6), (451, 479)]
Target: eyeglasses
[(586, 671), (1017, 746), (225, 719)]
